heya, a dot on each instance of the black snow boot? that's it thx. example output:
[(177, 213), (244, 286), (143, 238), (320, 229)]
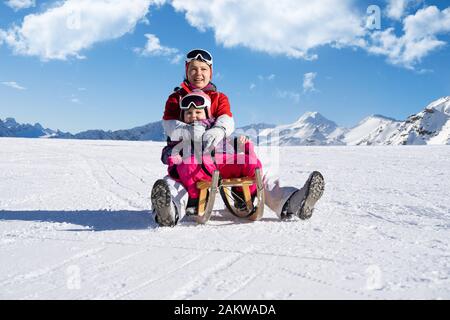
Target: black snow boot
[(301, 203), (192, 207), (166, 213), (239, 202)]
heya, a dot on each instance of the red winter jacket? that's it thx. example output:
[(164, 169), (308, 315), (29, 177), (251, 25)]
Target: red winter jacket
[(219, 102)]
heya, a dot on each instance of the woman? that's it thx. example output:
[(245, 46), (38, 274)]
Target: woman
[(169, 197)]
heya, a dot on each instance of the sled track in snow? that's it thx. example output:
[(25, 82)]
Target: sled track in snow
[(166, 275), (215, 250), (328, 284), (111, 279), (134, 175), (103, 186), (20, 278), (87, 276), (118, 183), (199, 282)]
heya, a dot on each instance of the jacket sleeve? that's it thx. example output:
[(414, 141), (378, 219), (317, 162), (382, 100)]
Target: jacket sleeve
[(223, 106), (175, 129), (226, 122), (172, 109), (224, 117)]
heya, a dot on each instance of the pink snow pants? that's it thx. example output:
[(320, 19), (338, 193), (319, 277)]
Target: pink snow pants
[(229, 166)]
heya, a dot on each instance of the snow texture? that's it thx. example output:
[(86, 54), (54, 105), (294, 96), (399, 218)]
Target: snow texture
[(75, 224)]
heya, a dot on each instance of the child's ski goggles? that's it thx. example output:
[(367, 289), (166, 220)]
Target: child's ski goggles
[(195, 100), (199, 54)]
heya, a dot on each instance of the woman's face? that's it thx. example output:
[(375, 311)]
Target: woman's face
[(193, 114), (199, 73)]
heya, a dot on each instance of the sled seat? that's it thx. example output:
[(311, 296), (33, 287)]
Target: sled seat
[(208, 190)]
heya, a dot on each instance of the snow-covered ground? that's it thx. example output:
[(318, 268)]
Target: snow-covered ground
[(75, 224)]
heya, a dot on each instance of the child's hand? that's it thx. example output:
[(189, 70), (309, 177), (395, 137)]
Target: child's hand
[(200, 123), (243, 139), (240, 143), (198, 129)]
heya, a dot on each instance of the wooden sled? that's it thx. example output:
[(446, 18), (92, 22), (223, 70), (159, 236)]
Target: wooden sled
[(226, 188)]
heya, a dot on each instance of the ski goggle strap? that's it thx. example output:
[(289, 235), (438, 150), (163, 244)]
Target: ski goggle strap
[(194, 100), (199, 54)]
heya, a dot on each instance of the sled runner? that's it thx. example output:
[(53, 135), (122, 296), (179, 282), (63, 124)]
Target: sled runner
[(240, 204)]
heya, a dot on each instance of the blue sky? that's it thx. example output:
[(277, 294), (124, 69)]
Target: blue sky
[(99, 70)]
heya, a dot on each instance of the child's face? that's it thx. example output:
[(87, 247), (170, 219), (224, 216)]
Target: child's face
[(194, 114)]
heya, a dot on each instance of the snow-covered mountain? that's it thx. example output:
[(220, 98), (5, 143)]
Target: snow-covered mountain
[(429, 126), (252, 131), (373, 130), (310, 129), (153, 131), (10, 128)]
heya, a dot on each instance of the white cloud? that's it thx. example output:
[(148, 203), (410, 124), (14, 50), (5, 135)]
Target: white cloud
[(71, 26), (270, 77), (177, 59), (418, 40), (13, 84), (285, 94), (218, 76), (295, 28), (252, 86), (292, 28), (20, 4), (74, 99), (154, 48), (396, 9), (308, 82), (287, 27)]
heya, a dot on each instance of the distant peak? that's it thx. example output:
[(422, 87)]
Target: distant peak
[(310, 115), (38, 126), (440, 100), (380, 116), (313, 118), (10, 122), (441, 104)]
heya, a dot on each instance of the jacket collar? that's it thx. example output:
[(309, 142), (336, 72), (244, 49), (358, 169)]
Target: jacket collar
[(189, 87)]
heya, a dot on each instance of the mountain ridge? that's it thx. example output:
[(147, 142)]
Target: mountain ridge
[(429, 126)]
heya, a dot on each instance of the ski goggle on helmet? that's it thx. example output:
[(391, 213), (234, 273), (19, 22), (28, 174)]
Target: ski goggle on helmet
[(197, 99), (199, 54)]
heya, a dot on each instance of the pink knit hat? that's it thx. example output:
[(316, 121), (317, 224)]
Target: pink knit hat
[(197, 99)]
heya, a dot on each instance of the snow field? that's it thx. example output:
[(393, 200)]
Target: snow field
[(75, 224)]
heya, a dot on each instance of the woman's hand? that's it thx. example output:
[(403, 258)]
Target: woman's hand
[(213, 137), (243, 139), (198, 130)]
